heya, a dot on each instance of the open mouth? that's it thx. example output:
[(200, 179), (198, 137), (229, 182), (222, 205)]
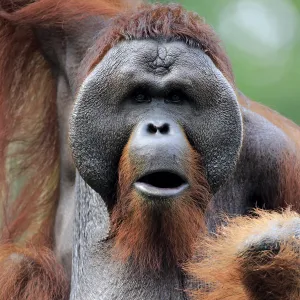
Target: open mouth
[(161, 184)]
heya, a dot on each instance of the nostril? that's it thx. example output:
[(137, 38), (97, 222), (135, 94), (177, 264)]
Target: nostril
[(152, 128), (164, 128)]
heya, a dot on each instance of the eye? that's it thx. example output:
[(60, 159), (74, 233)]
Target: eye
[(175, 97), (141, 96)]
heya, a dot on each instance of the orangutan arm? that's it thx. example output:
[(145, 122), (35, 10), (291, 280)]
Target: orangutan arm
[(253, 258)]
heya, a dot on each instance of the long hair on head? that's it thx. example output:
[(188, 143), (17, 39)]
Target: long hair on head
[(29, 147), (151, 21), (29, 150)]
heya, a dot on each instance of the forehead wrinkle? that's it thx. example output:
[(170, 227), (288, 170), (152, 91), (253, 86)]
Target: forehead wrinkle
[(161, 55), (162, 60), (151, 58)]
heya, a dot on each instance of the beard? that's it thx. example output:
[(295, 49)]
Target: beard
[(159, 234)]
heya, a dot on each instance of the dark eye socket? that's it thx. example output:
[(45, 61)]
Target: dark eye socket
[(176, 97), (141, 96)]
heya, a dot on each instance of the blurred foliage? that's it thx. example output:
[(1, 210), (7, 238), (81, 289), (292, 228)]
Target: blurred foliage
[(262, 39)]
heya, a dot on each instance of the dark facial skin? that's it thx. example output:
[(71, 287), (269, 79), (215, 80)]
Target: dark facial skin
[(158, 98), (157, 148), (145, 94), (140, 83)]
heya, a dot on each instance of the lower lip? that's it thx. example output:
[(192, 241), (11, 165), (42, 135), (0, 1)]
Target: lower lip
[(152, 191)]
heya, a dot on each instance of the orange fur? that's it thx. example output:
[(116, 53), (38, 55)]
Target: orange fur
[(29, 160), (60, 13), (158, 234), (28, 134), (31, 273), (153, 21), (232, 267), (29, 150)]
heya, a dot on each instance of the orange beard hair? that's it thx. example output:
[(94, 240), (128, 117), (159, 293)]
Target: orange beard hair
[(158, 234)]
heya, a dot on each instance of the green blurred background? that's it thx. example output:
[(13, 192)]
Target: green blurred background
[(262, 39)]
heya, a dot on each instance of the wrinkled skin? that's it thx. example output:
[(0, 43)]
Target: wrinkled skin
[(163, 76), (102, 120)]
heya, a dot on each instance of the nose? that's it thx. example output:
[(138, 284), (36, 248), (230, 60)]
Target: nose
[(159, 146), (162, 134), (158, 127)]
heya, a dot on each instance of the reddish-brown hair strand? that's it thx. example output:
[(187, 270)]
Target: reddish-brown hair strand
[(155, 21), (157, 235), (29, 149)]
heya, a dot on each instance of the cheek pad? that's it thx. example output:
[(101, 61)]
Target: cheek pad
[(97, 138), (217, 136), (99, 132), (98, 135)]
